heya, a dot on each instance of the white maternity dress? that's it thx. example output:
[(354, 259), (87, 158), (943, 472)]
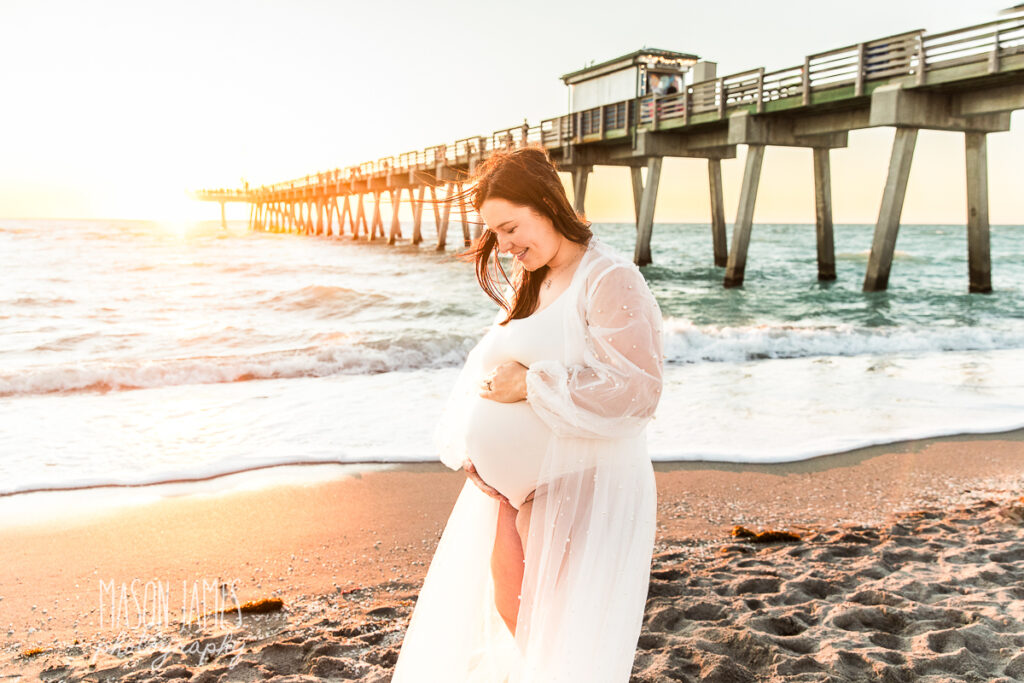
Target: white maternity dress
[(591, 536)]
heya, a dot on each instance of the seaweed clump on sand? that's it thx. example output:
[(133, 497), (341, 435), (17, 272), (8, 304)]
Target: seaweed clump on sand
[(261, 606), (770, 536)]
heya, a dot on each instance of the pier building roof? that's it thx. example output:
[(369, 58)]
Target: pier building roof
[(649, 57)]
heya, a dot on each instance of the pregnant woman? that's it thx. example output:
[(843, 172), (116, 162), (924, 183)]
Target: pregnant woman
[(542, 570)]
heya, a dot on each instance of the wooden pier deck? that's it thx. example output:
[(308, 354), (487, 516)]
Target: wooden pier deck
[(967, 80)]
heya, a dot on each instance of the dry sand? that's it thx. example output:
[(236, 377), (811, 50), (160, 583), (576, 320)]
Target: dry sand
[(872, 591)]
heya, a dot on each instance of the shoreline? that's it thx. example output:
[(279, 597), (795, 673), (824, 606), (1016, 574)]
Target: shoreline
[(357, 547), (301, 472)]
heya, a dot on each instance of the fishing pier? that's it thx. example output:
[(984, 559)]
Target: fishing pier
[(671, 104)]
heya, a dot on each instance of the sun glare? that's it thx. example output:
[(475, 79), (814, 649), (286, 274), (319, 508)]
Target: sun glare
[(176, 227)]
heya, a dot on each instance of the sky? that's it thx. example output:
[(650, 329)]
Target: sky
[(117, 109)]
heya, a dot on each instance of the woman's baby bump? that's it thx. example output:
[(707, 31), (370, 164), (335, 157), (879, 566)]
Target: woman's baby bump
[(507, 443)]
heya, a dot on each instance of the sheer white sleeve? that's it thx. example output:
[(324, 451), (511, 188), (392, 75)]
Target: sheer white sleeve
[(616, 390)]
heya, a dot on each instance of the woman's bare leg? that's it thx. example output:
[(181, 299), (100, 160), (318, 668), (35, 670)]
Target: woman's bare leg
[(507, 559), (507, 566)]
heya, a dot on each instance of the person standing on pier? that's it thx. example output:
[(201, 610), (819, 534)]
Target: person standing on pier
[(541, 573)]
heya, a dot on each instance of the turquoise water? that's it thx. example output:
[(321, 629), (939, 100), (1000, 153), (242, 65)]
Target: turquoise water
[(927, 287)]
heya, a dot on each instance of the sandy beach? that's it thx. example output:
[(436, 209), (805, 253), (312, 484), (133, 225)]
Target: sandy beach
[(908, 566)]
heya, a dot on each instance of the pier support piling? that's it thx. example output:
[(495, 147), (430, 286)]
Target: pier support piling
[(645, 220), (884, 244), (637, 178), (718, 241), (417, 216), (823, 214), (396, 203), (579, 186), (360, 225), (377, 220), (223, 220), (335, 211), (355, 222), (979, 257), (346, 218), (442, 230), (737, 263)]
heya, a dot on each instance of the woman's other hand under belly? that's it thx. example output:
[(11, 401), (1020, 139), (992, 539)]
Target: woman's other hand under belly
[(481, 484)]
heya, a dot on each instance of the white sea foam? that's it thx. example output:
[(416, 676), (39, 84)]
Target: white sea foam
[(409, 352), (689, 343), (685, 343)]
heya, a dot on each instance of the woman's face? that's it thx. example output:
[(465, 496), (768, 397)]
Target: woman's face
[(530, 238)]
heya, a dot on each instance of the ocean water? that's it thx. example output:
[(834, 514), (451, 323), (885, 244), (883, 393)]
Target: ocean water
[(133, 353)]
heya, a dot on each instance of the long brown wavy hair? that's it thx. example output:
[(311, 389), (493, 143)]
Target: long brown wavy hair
[(527, 177)]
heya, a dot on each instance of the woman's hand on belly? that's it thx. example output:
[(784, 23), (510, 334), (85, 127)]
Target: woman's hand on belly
[(489, 490), (507, 383)]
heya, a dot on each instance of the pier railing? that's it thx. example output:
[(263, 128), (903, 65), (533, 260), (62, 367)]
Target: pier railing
[(912, 58)]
